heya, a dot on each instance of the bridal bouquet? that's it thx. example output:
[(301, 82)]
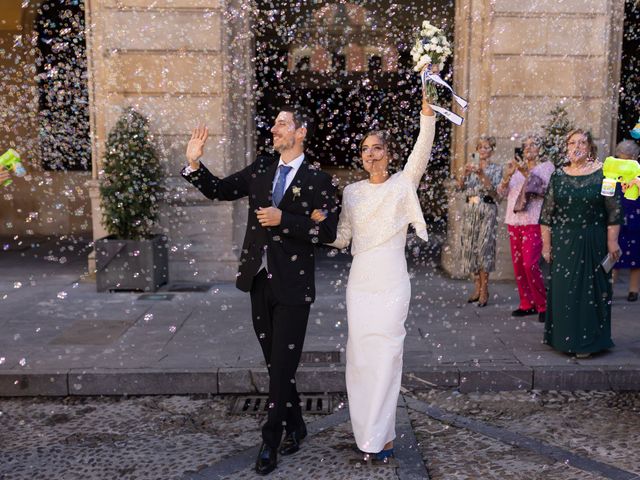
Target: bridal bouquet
[(433, 48)]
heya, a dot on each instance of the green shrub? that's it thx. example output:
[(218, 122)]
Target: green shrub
[(130, 184)]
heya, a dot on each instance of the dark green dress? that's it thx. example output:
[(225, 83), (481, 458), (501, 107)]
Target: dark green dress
[(579, 299)]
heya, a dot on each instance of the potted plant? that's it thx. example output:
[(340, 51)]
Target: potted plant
[(133, 256)]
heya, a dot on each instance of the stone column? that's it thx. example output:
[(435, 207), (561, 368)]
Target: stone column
[(176, 63), (515, 60)]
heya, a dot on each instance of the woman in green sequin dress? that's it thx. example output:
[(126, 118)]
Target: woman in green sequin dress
[(579, 228)]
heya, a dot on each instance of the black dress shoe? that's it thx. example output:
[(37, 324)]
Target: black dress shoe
[(542, 317), (519, 312), (291, 442), (632, 297), (267, 460)]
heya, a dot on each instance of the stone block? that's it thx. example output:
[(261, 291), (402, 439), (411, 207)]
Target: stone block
[(576, 36), (434, 377), (260, 379), (170, 114), (540, 76), (512, 35), (19, 383), (509, 115), (164, 72), (193, 225), (320, 379), (142, 382), (495, 379), (235, 380), (571, 378), (623, 378), (33, 383), (162, 30), (550, 6)]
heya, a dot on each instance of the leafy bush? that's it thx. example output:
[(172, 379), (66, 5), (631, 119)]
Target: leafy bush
[(130, 184)]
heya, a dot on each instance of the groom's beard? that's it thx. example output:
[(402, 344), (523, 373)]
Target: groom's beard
[(284, 146)]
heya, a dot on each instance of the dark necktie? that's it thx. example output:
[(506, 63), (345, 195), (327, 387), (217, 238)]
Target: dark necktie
[(278, 191)]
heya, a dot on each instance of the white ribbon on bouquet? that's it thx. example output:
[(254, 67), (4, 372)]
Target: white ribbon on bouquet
[(427, 75)]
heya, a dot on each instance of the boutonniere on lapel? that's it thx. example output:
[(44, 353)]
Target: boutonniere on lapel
[(295, 191)]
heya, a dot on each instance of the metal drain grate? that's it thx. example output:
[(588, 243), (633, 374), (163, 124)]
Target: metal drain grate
[(252, 404), (313, 358)]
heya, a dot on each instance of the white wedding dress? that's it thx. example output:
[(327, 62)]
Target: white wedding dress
[(374, 219)]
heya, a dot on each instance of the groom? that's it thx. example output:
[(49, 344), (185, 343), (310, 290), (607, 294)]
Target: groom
[(277, 261)]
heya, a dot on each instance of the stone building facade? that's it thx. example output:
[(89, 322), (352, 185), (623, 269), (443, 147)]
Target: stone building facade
[(184, 62)]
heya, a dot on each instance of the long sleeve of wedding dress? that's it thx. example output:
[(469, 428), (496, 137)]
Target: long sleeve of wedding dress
[(419, 157)]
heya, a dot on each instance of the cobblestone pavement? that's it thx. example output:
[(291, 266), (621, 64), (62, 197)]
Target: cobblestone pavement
[(181, 437)]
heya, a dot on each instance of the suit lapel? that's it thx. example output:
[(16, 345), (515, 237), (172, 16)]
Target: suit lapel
[(296, 185), (265, 185)]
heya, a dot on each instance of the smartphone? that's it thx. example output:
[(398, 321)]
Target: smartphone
[(475, 158), (607, 263), (518, 154)]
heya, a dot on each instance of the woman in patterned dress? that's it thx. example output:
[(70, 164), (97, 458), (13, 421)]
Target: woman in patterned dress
[(479, 183)]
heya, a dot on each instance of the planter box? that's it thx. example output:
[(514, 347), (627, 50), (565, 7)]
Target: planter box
[(139, 265)]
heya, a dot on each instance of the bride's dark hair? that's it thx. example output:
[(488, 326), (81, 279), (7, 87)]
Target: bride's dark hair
[(385, 137)]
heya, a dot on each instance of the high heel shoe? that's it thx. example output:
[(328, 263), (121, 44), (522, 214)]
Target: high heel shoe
[(384, 455), (473, 299)]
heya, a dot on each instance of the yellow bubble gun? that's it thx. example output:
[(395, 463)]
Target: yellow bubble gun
[(619, 170), (10, 160)]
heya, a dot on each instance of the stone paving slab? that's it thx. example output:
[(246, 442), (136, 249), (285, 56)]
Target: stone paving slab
[(204, 341)]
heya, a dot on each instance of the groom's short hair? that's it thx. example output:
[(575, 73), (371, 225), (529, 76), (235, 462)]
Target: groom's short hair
[(300, 117)]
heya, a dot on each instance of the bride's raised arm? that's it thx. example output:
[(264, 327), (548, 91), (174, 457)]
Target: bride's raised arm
[(419, 158)]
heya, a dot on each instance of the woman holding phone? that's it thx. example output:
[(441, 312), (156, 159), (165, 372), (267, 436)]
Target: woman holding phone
[(479, 182), (524, 183), (580, 229)]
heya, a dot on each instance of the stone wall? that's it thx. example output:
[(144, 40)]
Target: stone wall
[(171, 60), (515, 60)]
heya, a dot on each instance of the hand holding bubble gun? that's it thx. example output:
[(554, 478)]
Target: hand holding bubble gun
[(10, 160), (619, 170)]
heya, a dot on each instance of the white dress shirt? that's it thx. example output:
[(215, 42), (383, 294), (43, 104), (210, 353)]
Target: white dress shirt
[(295, 165)]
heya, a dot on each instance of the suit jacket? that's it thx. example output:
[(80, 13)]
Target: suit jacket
[(289, 246)]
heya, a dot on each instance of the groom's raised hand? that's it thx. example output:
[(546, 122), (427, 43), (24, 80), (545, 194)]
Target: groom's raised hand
[(196, 145)]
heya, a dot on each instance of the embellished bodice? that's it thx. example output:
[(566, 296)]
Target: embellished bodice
[(374, 213)]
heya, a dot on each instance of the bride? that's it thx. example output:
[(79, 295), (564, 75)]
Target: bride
[(375, 215)]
